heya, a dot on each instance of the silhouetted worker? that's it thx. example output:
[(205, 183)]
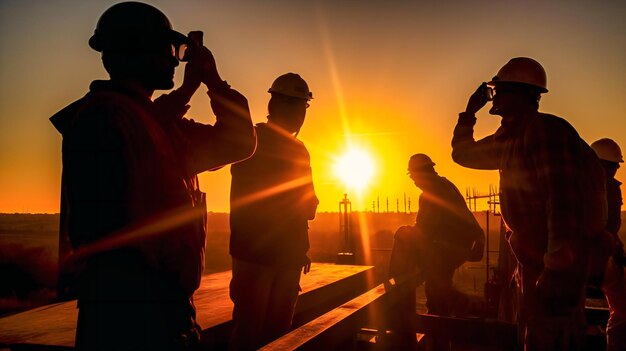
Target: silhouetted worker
[(130, 203), (272, 199), (614, 282), (445, 235), (552, 197)]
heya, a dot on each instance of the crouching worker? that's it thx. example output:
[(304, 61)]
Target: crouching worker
[(445, 235)]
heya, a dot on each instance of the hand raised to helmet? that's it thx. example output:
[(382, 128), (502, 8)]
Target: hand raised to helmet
[(478, 99), (201, 66)]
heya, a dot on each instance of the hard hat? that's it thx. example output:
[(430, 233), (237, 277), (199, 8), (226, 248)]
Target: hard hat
[(291, 84), (420, 162), (522, 70), (133, 26), (607, 150)]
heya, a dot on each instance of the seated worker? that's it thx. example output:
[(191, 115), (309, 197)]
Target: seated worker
[(445, 235)]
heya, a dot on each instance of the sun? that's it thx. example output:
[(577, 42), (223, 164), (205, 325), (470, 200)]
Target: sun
[(355, 168)]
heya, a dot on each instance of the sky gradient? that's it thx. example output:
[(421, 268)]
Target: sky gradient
[(387, 76)]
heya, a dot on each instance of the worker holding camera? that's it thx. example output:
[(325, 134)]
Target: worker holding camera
[(131, 207)]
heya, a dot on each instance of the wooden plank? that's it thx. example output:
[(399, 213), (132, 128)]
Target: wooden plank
[(341, 320), (468, 331), (212, 301), (47, 325), (338, 327), (55, 324), (330, 287)]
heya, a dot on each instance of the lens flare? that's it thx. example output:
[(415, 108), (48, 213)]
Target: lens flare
[(355, 169)]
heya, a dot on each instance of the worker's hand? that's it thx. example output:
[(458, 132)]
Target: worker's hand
[(200, 67), (557, 293), (193, 67), (306, 268), (210, 76), (478, 99)]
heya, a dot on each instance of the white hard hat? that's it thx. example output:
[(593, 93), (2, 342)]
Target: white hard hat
[(293, 85), (522, 70), (607, 150)]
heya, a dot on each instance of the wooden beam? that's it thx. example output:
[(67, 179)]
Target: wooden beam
[(53, 325), (332, 328)]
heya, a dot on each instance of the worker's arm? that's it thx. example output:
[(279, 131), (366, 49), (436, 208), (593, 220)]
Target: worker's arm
[(466, 151), (308, 198), (614, 202), (231, 138), (428, 217)]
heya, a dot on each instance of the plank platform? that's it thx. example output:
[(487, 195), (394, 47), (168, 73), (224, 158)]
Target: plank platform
[(325, 287)]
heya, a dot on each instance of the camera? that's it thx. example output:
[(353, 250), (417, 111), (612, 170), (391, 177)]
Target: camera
[(180, 51)]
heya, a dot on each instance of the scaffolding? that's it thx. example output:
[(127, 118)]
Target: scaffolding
[(493, 200)]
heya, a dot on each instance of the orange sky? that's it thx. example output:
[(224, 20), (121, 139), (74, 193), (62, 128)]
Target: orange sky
[(388, 76)]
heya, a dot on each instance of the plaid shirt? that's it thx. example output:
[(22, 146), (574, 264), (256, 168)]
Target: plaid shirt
[(553, 194)]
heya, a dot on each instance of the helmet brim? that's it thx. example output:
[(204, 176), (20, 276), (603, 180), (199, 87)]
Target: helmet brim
[(494, 83), (178, 38), (297, 96)]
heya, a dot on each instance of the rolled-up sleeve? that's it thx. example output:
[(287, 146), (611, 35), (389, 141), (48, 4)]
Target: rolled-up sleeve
[(232, 138), (467, 152)]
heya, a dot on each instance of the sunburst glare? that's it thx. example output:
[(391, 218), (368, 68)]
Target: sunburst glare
[(355, 168)]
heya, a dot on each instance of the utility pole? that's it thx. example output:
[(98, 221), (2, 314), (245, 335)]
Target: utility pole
[(404, 202), (345, 227)]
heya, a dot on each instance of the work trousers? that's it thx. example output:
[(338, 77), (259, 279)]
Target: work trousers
[(265, 299), (540, 327), (436, 268), (614, 288)]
